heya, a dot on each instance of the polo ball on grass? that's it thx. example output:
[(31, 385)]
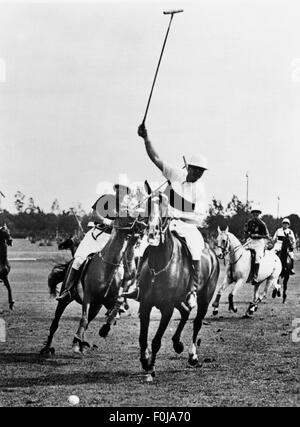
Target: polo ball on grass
[(73, 400)]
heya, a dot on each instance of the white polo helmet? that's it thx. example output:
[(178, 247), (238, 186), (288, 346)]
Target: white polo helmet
[(197, 160), (256, 208), (286, 221)]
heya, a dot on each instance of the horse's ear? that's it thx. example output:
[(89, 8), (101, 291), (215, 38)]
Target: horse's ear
[(147, 187), (227, 229), (219, 229)]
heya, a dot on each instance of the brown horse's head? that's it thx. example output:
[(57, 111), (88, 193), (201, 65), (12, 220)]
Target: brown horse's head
[(158, 219)]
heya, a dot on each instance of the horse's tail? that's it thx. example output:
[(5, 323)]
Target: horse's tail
[(56, 276)]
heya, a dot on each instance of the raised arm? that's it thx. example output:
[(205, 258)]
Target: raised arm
[(142, 132)]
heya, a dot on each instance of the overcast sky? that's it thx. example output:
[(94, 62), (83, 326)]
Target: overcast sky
[(75, 80)]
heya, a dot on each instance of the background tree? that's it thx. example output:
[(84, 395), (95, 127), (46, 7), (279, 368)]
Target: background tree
[(19, 201)]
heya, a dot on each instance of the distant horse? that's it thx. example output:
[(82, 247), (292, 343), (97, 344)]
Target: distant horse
[(238, 270), (165, 273), (5, 240), (122, 239), (286, 262)]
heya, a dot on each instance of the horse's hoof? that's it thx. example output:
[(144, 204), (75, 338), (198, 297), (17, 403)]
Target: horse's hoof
[(193, 360), (274, 293), (246, 316), (11, 305), (178, 347), (199, 342), (104, 330), (149, 378), (279, 293), (215, 311), (76, 348), (84, 348), (45, 351)]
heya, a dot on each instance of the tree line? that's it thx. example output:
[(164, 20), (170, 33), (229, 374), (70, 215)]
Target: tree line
[(31, 221)]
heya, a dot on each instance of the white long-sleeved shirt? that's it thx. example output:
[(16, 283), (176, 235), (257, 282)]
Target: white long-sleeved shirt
[(280, 234), (192, 192)]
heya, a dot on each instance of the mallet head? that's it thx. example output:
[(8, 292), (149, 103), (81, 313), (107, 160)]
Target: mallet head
[(171, 12)]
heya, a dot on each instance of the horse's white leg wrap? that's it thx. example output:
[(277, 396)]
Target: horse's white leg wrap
[(193, 352)]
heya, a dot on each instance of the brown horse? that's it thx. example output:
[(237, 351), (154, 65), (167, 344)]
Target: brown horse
[(5, 240), (163, 281), (124, 231)]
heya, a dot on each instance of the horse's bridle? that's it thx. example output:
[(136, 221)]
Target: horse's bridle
[(224, 249)]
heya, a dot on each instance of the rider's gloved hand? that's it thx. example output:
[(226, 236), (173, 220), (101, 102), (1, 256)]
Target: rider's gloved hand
[(142, 131)]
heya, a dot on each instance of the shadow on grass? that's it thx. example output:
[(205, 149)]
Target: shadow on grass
[(34, 359), (68, 379)]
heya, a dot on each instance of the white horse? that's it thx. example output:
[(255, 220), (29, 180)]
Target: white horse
[(239, 268)]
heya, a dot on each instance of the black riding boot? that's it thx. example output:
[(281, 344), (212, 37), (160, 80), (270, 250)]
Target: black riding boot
[(191, 298), (292, 267), (71, 282), (255, 273)]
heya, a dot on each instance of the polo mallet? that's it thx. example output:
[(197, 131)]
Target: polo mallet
[(170, 12)]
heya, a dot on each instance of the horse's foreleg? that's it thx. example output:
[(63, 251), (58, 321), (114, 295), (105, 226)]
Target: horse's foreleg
[(61, 306), (177, 343), (10, 297), (78, 342), (254, 304), (145, 311), (224, 285), (285, 282), (236, 288), (203, 302), (166, 314)]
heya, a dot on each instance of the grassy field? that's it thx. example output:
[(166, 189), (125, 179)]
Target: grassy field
[(243, 362)]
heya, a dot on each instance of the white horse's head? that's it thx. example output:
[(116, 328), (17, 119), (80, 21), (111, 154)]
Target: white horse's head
[(223, 243)]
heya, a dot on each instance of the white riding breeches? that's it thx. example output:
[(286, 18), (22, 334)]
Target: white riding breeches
[(93, 241), (192, 235), (258, 245)]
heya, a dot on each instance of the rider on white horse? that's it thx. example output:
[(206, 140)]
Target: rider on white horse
[(280, 234), (257, 232), (187, 207), (104, 211)]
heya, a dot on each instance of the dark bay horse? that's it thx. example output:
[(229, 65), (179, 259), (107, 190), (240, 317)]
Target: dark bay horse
[(124, 238), (163, 280), (286, 262), (5, 240)]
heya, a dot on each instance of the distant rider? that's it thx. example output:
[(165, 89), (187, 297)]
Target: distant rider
[(280, 234), (257, 232)]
